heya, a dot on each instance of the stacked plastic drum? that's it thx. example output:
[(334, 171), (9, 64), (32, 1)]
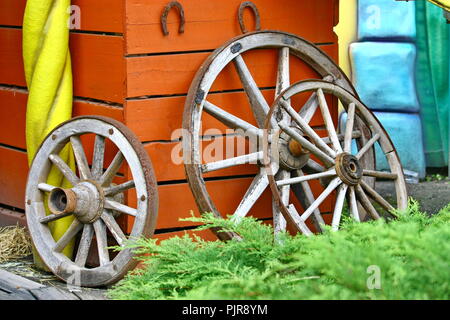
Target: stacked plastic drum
[(383, 69)]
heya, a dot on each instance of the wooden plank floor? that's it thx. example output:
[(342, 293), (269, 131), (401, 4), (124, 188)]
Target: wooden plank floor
[(15, 287)]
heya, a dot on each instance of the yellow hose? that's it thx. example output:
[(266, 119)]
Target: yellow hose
[(444, 4), (48, 74)]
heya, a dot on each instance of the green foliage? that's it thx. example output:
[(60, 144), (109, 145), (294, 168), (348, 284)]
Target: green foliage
[(410, 252), (435, 177)]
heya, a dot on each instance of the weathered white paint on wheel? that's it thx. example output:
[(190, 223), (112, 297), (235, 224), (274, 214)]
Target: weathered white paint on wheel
[(356, 176), (288, 46), (144, 182)]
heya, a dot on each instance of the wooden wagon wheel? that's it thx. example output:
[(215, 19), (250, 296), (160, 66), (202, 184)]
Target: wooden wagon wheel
[(93, 200), (197, 103), (338, 163)]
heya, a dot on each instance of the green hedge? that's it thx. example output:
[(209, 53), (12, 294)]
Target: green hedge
[(402, 259)]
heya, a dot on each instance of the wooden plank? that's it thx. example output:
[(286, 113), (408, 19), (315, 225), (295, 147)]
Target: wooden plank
[(173, 74), (12, 282), (160, 118), (211, 23), (17, 295), (13, 177), (98, 66), (90, 294), (99, 15), (13, 104), (12, 218), (7, 296), (97, 62), (207, 235), (53, 293)]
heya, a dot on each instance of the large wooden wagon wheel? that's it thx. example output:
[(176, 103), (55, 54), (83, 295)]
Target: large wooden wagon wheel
[(93, 200), (197, 103), (342, 167)]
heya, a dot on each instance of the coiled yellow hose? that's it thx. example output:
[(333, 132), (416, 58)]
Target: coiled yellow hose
[(48, 74)]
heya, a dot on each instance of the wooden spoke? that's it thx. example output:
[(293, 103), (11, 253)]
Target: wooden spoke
[(309, 177), (283, 75), (367, 146), (113, 227), (380, 174), (314, 166), (80, 157), (113, 190), (257, 187), (309, 197), (365, 202), (376, 196), (353, 205), (54, 217), (309, 108), (64, 168), (84, 245), (114, 205), (110, 173), (355, 135), (102, 242), (231, 162), (45, 187), (337, 213), (279, 222), (258, 103), (230, 120), (299, 222), (349, 128), (307, 145), (328, 120), (328, 190), (307, 129), (98, 157), (74, 228)]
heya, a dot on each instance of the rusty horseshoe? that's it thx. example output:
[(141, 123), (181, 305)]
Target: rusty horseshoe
[(166, 12), (251, 5)]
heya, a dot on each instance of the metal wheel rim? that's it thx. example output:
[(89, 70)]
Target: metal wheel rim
[(145, 185), (204, 79), (351, 192)]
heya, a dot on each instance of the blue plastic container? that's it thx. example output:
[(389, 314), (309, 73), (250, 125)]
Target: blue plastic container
[(386, 20), (383, 73)]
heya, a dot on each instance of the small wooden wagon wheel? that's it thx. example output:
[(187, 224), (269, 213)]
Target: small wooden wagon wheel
[(197, 103), (337, 165), (93, 200)]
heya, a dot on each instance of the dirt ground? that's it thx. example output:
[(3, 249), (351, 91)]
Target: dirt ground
[(432, 195)]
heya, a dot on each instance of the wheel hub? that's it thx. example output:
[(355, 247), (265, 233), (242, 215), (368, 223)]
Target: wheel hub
[(85, 200), (348, 169), (291, 153)]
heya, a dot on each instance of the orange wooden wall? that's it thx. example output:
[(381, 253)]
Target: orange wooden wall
[(125, 68)]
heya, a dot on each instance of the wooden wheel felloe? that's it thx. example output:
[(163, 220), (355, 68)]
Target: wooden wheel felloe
[(335, 159), (93, 200), (198, 103)]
